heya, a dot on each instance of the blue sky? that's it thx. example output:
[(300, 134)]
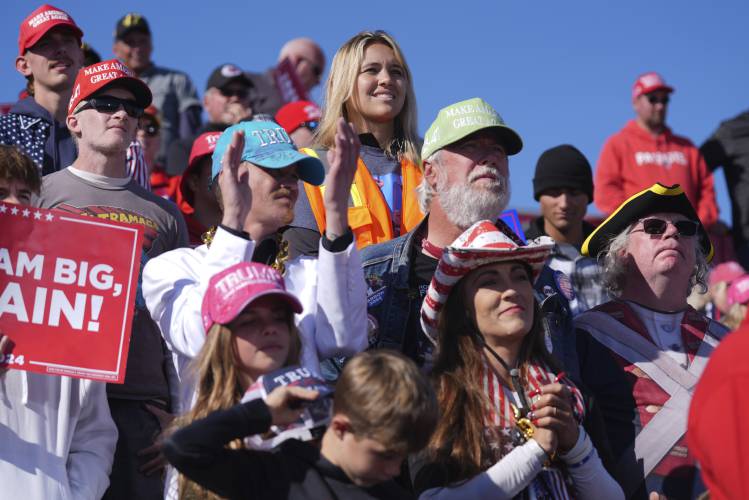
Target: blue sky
[(558, 72)]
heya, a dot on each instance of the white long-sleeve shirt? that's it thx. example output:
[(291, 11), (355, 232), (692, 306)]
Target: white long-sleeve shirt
[(331, 289), (57, 437), (516, 470)]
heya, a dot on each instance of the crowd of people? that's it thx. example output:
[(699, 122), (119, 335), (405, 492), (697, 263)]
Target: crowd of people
[(430, 349)]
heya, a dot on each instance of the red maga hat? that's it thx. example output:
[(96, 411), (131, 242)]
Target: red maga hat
[(202, 146), (39, 22), (96, 77), (294, 114), (649, 82)]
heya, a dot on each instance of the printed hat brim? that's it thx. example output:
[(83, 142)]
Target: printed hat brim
[(228, 315), (139, 89), (310, 169), (510, 139), (656, 198), (456, 263), (59, 24)]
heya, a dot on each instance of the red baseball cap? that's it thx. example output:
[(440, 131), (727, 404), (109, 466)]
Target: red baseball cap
[(649, 82), (39, 22), (294, 114), (202, 146), (237, 286), (96, 77)]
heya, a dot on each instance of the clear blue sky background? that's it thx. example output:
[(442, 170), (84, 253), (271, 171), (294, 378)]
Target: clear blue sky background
[(558, 72)]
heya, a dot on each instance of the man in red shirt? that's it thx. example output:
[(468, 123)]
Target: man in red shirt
[(645, 151)]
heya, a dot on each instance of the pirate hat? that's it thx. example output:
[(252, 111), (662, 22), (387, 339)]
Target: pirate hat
[(656, 198), (481, 244)]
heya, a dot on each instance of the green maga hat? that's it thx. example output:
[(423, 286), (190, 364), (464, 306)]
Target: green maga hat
[(462, 119), (656, 198)]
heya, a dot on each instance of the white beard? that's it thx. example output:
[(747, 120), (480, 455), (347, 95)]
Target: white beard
[(464, 205)]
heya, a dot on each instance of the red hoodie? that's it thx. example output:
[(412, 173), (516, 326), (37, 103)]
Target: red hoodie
[(633, 160)]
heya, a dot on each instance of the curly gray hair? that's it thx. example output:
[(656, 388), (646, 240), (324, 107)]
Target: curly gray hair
[(614, 267)]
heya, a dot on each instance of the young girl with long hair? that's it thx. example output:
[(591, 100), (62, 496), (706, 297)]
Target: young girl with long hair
[(370, 85), (249, 317), (510, 419)]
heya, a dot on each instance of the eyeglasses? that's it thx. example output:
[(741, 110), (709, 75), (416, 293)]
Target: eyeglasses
[(316, 70), (310, 125), (654, 99), (151, 129), (658, 226), (108, 104), (239, 93)]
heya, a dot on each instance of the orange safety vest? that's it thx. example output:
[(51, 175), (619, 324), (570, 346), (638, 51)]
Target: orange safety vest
[(368, 213)]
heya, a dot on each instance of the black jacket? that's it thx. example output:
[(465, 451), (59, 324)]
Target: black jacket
[(294, 470)]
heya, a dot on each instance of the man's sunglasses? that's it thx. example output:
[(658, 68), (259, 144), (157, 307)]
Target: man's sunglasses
[(107, 104), (654, 99), (658, 226), (239, 93), (310, 125), (150, 129)]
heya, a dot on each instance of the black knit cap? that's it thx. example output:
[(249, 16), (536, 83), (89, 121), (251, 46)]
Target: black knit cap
[(563, 167)]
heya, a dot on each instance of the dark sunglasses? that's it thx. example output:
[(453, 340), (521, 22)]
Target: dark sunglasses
[(150, 129), (239, 93), (654, 99), (107, 104), (310, 125), (658, 226), (317, 70)]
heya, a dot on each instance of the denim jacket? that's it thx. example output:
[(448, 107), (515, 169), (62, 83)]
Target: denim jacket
[(392, 300)]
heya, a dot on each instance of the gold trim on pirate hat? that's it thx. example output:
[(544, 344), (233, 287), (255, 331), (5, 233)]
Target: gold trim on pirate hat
[(656, 198)]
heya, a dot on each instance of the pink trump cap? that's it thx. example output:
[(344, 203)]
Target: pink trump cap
[(237, 286)]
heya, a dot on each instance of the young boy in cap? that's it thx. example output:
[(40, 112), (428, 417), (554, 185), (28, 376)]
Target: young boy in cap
[(563, 186), (383, 409), (49, 57), (57, 435), (642, 353), (103, 115)]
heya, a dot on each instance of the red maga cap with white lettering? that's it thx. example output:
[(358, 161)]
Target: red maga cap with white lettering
[(39, 22), (237, 286), (96, 77), (649, 82), (201, 147)]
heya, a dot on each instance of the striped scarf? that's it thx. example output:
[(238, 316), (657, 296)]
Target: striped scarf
[(551, 482)]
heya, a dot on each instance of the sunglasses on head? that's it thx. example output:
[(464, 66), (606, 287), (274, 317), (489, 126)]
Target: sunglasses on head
[(239, 93), (108, 104), (658, 226), (310, 125), (654, 99)]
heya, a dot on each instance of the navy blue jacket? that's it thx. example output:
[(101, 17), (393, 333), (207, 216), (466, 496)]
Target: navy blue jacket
[(31, 128)]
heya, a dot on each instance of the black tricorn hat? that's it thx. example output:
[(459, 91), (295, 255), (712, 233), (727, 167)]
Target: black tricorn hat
[(656, 198)]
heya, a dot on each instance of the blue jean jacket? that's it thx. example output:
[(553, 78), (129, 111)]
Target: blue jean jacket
[(392, 301)]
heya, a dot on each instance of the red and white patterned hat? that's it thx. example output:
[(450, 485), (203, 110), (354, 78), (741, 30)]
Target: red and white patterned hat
[(481, 244)]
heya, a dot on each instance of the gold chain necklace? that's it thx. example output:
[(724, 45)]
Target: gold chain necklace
[(279, 263)]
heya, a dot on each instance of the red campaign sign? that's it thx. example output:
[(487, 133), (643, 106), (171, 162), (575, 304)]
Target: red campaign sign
[(67, 292), (288, 84)]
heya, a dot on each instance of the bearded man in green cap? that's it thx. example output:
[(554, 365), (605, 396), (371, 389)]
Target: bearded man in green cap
[(466, 179)]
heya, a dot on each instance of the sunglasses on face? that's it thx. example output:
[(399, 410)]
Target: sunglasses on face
[(310, 125), (654, 99), (239, 93), (316, 70), (658, 226), (150, 129), (109, 105)]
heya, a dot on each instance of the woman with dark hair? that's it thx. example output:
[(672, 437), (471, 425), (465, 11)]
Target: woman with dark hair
[(510, 419)]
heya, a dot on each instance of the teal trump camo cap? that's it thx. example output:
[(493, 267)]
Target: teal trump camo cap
[(266, 144), (464, 118)]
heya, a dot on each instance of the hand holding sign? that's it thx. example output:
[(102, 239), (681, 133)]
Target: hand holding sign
[(66, 306)]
